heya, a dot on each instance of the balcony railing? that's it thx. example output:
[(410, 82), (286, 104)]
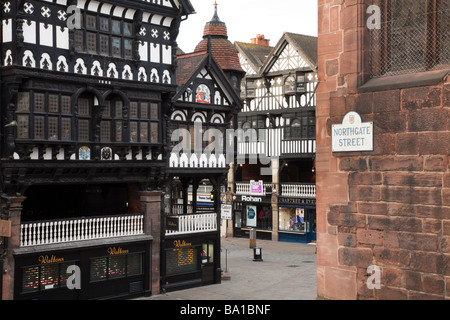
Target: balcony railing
[(300, 146), (301, 190), (298, 190), (194, 223), (76, 229)]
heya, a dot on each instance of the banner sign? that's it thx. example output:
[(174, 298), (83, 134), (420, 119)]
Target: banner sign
[(172, 223), (256, 188)]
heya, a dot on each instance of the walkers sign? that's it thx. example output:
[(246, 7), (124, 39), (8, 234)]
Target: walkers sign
[(352, 134)]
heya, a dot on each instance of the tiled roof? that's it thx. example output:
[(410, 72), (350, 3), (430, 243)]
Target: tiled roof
[(222, 49), (215, 29), (187, 64), (256, 53), (307, 45), (179, 51), (190, 65)]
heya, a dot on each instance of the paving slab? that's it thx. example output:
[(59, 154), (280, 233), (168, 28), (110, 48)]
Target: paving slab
[(287, 272)]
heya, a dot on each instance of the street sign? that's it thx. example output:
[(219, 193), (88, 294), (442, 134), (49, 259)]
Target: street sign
[(5, 228), (352, 134), (226, 212)]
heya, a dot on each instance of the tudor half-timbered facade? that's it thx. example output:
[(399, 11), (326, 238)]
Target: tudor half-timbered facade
[(202, 112), (277, 178), (85, 85), (205, 107)]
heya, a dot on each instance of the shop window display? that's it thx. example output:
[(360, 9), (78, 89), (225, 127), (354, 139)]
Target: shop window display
[(207, 252), (120, 266), (45, 277), (292, 219), (181, 260), (257, 216)]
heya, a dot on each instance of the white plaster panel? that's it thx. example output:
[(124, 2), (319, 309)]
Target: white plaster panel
[(7, 30), (45, 34), (143, 50), (155, 55), (62, 38), (167, 54)]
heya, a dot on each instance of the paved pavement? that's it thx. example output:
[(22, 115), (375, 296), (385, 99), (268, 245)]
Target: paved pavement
[(287, 272)]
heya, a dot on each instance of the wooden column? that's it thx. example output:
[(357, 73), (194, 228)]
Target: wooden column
[(151, 207), (229, 199), (12, 207), (274, 199)]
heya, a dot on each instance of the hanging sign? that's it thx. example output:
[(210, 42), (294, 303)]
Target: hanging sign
[(5, 228), (256, 188), (352, 134), (172, 223)]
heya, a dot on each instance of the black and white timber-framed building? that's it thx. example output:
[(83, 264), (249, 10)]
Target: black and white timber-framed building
[(275, 184), (202, 111), (85, 86)]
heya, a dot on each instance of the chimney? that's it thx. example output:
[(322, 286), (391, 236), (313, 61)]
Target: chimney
[(260, 39)]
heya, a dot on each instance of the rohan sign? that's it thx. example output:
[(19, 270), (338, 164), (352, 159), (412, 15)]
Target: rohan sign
[(352, 134)]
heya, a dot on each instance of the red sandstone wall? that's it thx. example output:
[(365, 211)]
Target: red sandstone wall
[(390, 207)]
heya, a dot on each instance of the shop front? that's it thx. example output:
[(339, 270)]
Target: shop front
[(252, 212), (190, 261), (297, 220), (99, 271)]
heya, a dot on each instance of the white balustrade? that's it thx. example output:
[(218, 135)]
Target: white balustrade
[(195, 223), (59, 231), (177, 209), (298, 190)]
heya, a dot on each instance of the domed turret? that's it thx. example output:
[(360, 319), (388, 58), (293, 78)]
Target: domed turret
[(215, 27), (222, 49)]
